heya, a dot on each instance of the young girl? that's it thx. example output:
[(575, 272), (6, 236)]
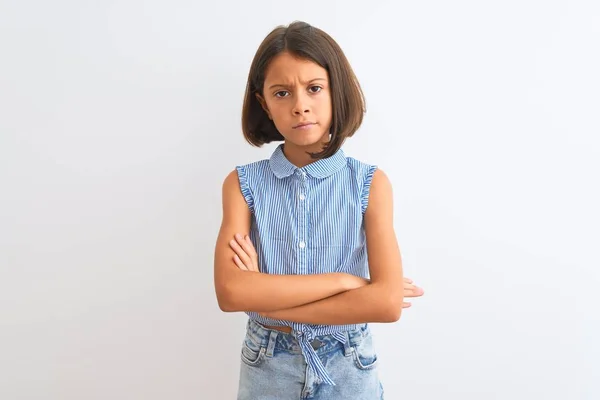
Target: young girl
[(303, 231)]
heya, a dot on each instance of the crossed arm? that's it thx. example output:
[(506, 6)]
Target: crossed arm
[(334, 298)]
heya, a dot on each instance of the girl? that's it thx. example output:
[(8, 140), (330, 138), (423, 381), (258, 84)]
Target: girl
[(303, 231)]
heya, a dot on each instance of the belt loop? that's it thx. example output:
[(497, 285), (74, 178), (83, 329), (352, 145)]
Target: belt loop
[(271, 344), (348, 349)]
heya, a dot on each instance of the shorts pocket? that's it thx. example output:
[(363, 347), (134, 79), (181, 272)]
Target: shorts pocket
[(364, 354), (252, 354)]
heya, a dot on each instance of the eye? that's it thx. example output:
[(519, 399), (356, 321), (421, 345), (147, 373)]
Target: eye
[(278, 94), (318, 89)]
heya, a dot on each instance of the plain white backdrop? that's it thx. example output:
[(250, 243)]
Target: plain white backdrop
[(120, 120)]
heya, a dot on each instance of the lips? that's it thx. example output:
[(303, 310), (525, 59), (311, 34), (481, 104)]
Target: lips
[(304, 125)]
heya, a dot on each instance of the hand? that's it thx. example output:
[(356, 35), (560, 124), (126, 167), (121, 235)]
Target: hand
[(245, 256), (411, 290)]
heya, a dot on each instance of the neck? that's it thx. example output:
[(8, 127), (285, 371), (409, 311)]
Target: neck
[(298, 155)]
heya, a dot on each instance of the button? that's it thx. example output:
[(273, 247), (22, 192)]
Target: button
[(302, 197), (302, 245)]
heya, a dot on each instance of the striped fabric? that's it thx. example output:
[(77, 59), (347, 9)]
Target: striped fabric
[(308, 221)]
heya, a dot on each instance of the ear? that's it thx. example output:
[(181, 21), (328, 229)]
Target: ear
[(263, 104)]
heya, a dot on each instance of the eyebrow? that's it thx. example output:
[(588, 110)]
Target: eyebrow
[(312, 80)]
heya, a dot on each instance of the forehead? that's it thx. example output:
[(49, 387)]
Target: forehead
[(287, 68)]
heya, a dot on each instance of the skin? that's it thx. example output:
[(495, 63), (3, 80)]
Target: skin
[(297, 91)]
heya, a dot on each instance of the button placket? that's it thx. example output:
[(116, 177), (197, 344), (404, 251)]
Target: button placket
[(302, 219)]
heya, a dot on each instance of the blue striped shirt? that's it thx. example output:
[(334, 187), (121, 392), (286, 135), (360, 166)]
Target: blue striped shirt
[(308, 220)]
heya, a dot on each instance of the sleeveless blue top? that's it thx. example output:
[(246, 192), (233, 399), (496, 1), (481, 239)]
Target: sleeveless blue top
[(308, 220)]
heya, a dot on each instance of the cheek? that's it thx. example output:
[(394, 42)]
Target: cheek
[(277, 108), (324, 101), (280, 116), (325, 107)]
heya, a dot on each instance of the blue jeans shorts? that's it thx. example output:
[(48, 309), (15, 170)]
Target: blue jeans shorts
[(273, 367)]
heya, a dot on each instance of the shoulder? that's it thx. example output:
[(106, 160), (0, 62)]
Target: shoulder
[(362, 172), (240, 183), (231, 183), (381, 183), (381, 195), (241, 171), (374, 172), (236, 191), (359, 166), (366, 175), (257, 169), (241, 174), (260, 165)]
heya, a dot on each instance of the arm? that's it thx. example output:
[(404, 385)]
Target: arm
[(381, 300), (239, 290)]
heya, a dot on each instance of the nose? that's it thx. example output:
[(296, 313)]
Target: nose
[(300, 106), (300, 112)]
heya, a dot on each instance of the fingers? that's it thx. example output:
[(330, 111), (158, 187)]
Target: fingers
[(410, 290), (246, 244), (413, 292), (248, 247), (239, 263), (241, 255), (246, 253)]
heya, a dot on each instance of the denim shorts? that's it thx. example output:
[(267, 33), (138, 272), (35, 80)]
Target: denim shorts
[(273, 367)]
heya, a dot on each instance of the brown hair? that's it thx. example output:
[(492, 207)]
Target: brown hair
[(307, 42)]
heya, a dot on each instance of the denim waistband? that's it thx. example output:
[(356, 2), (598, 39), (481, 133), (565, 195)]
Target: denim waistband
[(305, 342), (290, 342)]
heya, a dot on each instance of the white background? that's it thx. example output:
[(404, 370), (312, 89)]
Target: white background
[(120, 120)]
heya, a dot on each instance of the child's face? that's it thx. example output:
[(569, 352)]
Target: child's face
[(297, 91)]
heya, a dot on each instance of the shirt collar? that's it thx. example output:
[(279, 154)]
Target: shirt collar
[(321, 168)]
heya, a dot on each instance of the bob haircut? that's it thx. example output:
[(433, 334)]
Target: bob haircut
[(306, 42)]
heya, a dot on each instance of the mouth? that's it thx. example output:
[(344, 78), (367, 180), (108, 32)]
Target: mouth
[(304, 125)]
